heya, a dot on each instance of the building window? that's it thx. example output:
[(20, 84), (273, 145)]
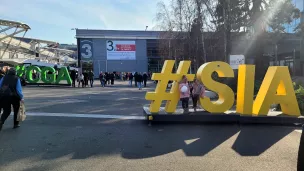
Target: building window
[(152, 48)]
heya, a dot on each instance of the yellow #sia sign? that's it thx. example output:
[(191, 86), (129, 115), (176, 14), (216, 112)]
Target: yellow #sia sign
[(277, 88)]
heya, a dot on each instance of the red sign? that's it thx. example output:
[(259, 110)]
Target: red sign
[(125, 47)]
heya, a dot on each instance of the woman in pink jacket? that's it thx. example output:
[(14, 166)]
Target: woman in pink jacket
[(184, 93), (198, 91)]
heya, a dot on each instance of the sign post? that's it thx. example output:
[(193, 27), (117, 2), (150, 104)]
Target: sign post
[(236, 60)]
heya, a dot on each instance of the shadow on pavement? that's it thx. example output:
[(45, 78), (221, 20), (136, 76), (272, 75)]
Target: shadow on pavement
[(193, 140), (254, 140), (81, 138)]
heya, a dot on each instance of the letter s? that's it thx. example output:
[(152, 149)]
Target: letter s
[(226, 95)]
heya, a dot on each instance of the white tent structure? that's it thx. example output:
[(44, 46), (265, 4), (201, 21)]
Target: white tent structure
[(15, 50)]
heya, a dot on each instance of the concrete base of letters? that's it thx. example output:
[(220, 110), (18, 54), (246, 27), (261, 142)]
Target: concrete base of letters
[(229, 117)]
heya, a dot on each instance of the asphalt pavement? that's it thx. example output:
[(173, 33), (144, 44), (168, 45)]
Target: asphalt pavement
[(118, 99), (85, 143)]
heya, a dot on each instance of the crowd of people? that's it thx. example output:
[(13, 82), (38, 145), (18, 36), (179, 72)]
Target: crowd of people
[(139, 79), (85, 79), (106, 78)]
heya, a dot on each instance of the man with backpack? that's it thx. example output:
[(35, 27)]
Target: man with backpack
[(10, 94)]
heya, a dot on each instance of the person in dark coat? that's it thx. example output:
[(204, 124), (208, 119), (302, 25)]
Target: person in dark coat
[(112, 76), (130, 79), (11, 82), (86, 79), (73, 77), (300, 163), (107, 75), (91, 77), (136, 78), (139, 80), (102, 79), (2, 74), (145, 78)]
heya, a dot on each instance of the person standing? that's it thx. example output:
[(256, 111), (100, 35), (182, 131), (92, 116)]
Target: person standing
[(80, 79), (136, 78), (11, 95), (107, 77), (139, 81), (198, 91), (112, 77), (124, 76), (91, 77), (145, 78), (86, 78), (2, 74), (102, 79), (73, 77), (300, 163), (184, 93), (130, 79)]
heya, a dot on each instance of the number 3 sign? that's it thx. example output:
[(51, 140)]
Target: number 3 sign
[(86, 49)]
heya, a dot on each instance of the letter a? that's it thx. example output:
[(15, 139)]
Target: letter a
[(64, 75), (276, 88)]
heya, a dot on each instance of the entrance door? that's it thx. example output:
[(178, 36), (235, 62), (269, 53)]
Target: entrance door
[(87, 66)]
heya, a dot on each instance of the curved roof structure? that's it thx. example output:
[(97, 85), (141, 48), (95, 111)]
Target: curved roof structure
[(14, 24), (11, 46)]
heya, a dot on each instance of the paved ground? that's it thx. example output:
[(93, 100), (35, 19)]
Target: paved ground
[(74, 143), (116, 99)]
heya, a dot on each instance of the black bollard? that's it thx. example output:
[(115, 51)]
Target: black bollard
[(301, 152)]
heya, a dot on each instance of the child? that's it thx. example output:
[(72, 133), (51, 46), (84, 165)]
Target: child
[(184, 93), (197, 93)]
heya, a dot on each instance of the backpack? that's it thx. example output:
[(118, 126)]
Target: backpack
[(5, 92)]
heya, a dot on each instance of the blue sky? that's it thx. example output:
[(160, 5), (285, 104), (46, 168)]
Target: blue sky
[(53, 19), (299, 4)]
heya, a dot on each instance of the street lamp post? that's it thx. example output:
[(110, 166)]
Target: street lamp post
[(276, 55)]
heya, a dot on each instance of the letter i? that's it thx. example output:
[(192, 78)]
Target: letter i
[(245, 89)]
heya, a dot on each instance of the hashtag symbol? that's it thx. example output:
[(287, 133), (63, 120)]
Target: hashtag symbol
[(163, 78)]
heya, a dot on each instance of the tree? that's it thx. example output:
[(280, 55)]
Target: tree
[(258, 18), (199, 28), (183, 23), (230, 17), (272, 14)]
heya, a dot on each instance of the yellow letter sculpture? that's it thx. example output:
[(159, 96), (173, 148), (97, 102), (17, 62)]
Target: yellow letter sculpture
[(276, 88), (226, 95), (160, 93), (245, 89)]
